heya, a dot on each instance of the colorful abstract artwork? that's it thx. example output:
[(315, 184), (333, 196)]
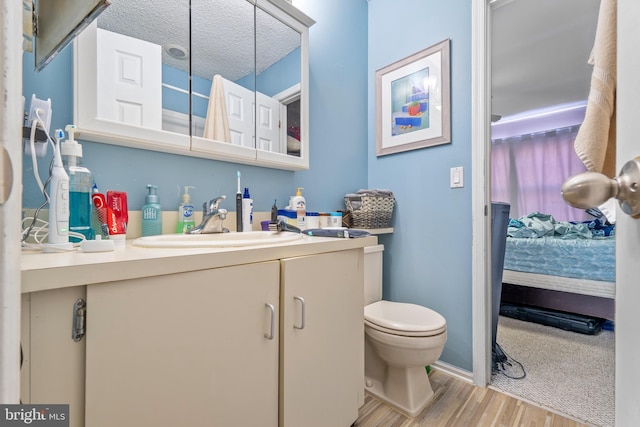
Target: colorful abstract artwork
[(410, 103), (413, 101)]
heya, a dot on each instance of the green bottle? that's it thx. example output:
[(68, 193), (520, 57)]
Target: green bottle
[(151, 212)]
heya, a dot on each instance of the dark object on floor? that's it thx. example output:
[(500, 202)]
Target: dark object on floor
[(505, 365), (608, 325), (499, 226), (497, 355), (558, 319), (569, 302)]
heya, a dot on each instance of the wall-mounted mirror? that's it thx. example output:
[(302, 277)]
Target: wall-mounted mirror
[(282, 87), (278, 81), (242, 56), (160, 37), (223, 73), (131, 82)]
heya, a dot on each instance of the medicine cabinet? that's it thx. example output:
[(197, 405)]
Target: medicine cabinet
[(216, 79)]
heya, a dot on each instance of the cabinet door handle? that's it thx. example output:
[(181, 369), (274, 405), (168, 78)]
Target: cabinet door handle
[(302, 305), (272, 309)]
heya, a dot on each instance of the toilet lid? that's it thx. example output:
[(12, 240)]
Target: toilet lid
[(404, 316)]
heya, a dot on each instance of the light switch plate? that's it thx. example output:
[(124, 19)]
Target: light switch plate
[(457, 177)]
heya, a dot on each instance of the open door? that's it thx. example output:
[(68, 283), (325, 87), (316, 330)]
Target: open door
[(628, 235), (628, 229)]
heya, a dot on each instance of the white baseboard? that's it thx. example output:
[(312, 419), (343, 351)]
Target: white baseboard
[(454, 371)]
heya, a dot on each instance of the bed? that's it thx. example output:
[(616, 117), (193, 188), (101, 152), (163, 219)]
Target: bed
[(561, 266)]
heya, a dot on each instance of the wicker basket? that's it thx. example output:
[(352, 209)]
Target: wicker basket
[(370, 211)]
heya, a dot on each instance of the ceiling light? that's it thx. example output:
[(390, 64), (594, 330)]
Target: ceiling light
[(176, 51)]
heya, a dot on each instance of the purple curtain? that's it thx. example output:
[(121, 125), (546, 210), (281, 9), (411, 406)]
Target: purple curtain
[(528, 170)]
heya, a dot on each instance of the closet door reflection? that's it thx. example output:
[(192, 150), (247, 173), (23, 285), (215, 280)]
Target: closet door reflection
[(223, 74)]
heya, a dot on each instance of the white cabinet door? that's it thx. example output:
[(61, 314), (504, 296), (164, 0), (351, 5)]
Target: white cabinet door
[(189, 349), (53, 365), (322, 339)]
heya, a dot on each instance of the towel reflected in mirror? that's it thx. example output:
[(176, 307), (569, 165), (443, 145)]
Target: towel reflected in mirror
[(216, 125)]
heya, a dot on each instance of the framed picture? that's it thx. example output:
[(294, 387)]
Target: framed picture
[(413, 101)]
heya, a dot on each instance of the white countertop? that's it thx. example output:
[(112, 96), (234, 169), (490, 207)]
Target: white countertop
[(43, 271)]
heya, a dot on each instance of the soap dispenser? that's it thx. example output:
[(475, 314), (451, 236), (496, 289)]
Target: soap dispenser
[(185, 213), (151, 212), (80, 185)]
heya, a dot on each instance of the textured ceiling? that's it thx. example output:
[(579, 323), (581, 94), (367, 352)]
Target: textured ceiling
[(540, 50), (223, 31)]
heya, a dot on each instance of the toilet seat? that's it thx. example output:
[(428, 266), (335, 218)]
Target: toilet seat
[(404, 319)]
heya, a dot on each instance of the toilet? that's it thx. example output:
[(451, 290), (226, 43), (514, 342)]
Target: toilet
[(400, 340)]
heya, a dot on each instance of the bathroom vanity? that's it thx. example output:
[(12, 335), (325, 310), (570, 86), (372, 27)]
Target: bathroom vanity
[(268, 335)]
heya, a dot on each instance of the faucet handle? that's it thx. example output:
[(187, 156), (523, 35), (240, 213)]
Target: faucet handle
[(212, 205)]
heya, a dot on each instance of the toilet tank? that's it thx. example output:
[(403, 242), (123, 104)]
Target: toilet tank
[(373, 273)]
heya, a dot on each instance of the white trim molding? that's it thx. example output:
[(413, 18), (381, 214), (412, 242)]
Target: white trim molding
[(481, 219), (10, 211), (453, 371)]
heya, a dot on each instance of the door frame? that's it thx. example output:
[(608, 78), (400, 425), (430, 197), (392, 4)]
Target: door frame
[(627, 348), (10, 211), (480, 190)]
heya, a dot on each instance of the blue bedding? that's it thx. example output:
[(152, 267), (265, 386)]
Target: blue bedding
[(539, 244), (592, 259), (537, 224)]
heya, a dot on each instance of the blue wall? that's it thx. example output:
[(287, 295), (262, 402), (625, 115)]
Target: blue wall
[(338, 123), (427, 260), (338, 90), (178, 101)]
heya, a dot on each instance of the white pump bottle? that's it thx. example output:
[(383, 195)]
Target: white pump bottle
[(80, 186)]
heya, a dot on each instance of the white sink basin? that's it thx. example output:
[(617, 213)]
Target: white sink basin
[(217, 240)]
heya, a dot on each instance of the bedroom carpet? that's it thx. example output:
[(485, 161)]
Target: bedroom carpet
[(568, 372)]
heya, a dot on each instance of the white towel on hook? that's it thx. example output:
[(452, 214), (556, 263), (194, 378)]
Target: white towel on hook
[(216, 125), (595, 143)]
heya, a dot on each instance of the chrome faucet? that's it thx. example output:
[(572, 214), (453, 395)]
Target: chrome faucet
[(212, 217)]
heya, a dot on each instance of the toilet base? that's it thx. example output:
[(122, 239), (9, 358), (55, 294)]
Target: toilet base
[(406, 389)]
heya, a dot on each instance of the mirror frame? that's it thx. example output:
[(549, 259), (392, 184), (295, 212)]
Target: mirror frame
[(91, 128)]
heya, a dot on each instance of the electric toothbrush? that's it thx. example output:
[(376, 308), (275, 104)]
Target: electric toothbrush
[(239, 207), (59, 200)]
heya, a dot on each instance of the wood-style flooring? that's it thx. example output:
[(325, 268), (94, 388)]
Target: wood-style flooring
[(457, 403)]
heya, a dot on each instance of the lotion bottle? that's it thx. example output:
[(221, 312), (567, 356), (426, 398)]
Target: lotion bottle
[(151, 212), (185, 213), (299, 204), (247, 211)]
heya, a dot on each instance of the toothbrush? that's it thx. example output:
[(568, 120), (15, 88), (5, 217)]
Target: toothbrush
[(59, 200), (239, 207)]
